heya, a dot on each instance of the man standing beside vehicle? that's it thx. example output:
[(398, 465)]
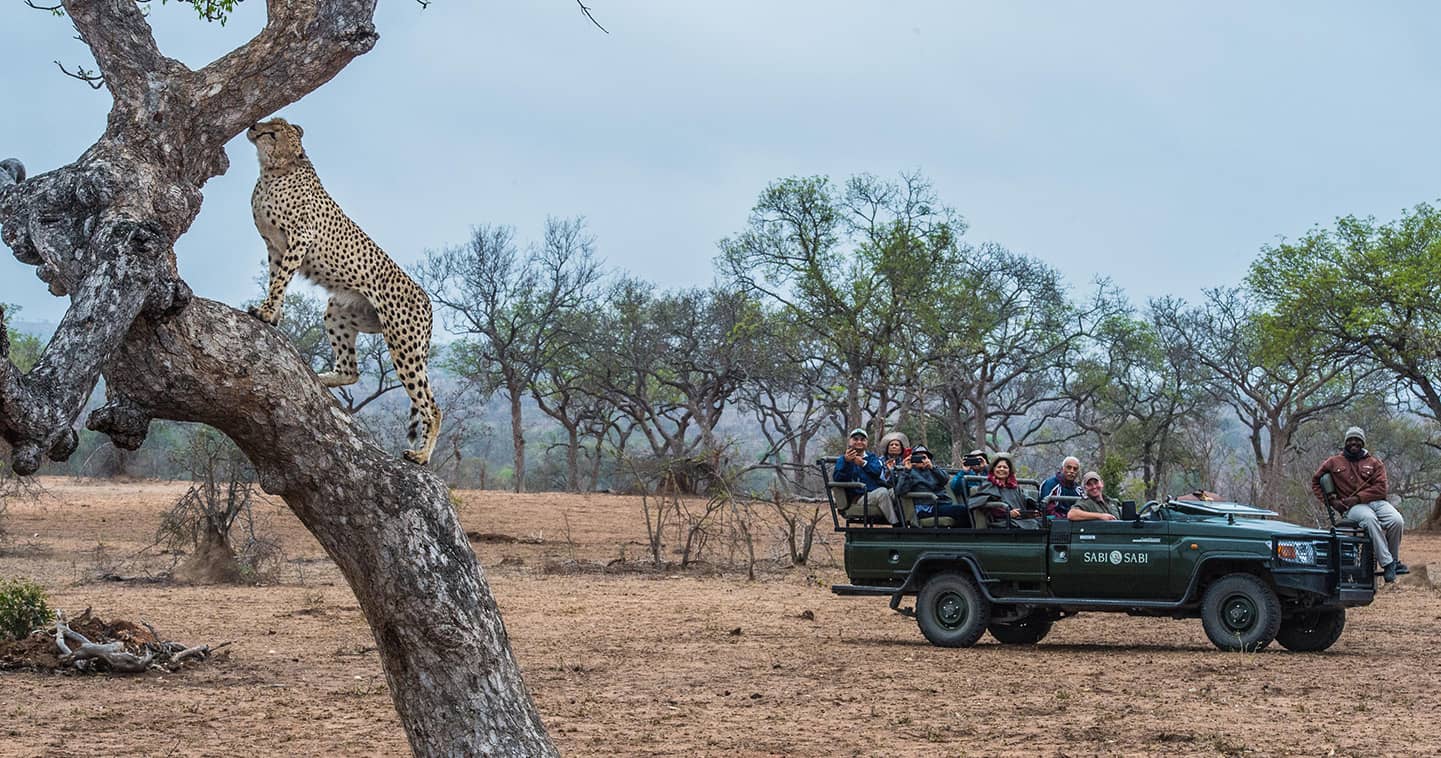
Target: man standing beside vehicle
[(1095, 506), (857, 464), (1360, 494)]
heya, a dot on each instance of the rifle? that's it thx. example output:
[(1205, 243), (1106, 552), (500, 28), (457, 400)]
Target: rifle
[(1328, 489)]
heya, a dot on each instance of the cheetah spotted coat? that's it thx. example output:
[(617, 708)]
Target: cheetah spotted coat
[(306, 232)]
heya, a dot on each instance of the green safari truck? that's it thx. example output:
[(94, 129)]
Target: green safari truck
[(1250, 578)]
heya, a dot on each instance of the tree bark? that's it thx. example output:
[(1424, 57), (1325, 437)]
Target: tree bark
[(102, 230), (517, 435), (387, 524)]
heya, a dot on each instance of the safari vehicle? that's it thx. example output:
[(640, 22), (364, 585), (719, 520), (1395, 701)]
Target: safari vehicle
[(1250, 578)]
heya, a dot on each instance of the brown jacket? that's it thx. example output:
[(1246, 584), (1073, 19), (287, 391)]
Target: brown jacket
[(1362, 481)]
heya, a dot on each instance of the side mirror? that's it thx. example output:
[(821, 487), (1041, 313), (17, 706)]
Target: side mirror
[(1128, 510)]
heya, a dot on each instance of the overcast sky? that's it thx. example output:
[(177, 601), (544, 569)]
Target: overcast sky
[(1159, 144)]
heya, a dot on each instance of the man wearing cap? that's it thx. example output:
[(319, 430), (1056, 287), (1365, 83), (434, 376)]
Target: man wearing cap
[(924, 476), (1095, 506), (1360, 480), (857, 464), (1063, 484)]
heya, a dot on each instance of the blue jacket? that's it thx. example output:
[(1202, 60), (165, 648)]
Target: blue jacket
[(1053, 486), (872, 474)]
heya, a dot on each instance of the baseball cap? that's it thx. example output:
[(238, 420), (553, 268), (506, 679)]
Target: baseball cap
[(859, 432), (1091, 475)]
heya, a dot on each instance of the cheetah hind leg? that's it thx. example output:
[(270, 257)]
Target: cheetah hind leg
[(424, 426), (346, 315)]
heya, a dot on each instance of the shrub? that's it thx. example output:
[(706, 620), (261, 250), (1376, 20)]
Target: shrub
[(23, 608)]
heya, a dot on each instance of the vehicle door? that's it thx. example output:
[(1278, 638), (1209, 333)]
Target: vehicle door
[(1112, 559)]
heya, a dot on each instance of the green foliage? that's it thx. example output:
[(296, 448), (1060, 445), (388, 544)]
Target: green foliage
[(24, 348), (23, 608), (1372, 287)]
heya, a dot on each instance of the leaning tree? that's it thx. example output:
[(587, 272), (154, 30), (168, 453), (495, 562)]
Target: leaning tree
[(102, 231)]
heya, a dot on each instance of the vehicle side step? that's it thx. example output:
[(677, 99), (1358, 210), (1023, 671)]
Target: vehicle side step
[(859, 589)]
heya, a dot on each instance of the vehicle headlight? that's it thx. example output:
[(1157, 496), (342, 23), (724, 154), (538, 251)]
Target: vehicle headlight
[(1293, 551)]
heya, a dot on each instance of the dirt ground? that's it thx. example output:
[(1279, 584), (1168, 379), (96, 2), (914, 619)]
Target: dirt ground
[(693, 664)]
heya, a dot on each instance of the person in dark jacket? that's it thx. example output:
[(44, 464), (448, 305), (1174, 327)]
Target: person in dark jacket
[(857, 464), (1360, 480), (1001, 495), (1066, 483), (924, 476)]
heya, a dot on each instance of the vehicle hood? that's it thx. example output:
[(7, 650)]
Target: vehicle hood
[(1262, 527)]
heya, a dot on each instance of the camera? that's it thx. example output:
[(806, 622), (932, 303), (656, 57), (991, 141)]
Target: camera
[(919, 457), (972, 461)]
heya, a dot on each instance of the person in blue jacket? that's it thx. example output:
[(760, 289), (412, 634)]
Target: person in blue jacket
[(857, 464), (1066, 483)]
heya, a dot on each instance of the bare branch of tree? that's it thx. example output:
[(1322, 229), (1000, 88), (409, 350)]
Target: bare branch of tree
[(586, 10)]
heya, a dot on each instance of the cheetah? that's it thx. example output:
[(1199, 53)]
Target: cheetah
[(306, 232)]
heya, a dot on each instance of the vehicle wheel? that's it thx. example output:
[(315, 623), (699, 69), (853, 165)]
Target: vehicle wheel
[(1026, 630), (1240, 613), (1312, 631), (951, 611)]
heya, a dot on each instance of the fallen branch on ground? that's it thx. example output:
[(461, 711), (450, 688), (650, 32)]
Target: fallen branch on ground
[(132, 650)]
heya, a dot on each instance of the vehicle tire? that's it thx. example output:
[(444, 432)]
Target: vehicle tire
[(1312, 631), (951, 611), (1240, 612), (1026, 630)]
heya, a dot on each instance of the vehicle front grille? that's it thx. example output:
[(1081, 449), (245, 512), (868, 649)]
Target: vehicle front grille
[(1356, 560)]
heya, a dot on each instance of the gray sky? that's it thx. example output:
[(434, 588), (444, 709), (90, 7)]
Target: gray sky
[(1160, 144)]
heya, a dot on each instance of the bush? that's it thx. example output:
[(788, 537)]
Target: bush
[(23, 608)]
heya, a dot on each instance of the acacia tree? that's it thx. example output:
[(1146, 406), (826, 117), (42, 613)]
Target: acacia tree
[(1276, 380), (102, 229), (511, 308), (848, 264)]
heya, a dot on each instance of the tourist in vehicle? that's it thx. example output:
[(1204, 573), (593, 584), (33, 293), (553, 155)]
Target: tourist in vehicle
[(924, 476), (999, 496), (1066, 483), (1360, 481), (1095, 506), (974, 464), (857, 464), (895, 455)]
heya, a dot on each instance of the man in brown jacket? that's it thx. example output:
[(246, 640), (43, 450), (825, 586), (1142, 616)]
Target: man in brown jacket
[(1360, 480)]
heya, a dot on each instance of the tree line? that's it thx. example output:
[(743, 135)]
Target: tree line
[(861, 303)]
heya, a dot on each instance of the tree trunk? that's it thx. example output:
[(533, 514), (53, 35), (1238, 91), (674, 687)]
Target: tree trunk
[(572, 459), (102, 230), (517, 435), (387, 523)]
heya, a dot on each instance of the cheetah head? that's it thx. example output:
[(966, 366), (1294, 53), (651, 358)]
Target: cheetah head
[(278, 143)]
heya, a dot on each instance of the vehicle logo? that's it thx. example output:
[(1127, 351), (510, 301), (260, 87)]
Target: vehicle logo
[(1115, 557)]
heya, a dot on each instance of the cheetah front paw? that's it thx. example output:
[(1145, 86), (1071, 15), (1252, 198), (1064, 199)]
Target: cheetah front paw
[(273, 320), (333, 379), (417, 458)]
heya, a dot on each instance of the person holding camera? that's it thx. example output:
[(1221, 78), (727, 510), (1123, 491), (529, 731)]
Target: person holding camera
[(974, 464), (925, 476), (857, 464)]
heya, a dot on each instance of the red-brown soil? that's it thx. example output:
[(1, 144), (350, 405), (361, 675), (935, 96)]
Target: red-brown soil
[(695, 664)]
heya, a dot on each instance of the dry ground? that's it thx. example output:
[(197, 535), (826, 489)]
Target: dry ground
[(694, 665)]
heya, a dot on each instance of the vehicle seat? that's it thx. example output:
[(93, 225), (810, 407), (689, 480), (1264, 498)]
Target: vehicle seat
[(908, 512)]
